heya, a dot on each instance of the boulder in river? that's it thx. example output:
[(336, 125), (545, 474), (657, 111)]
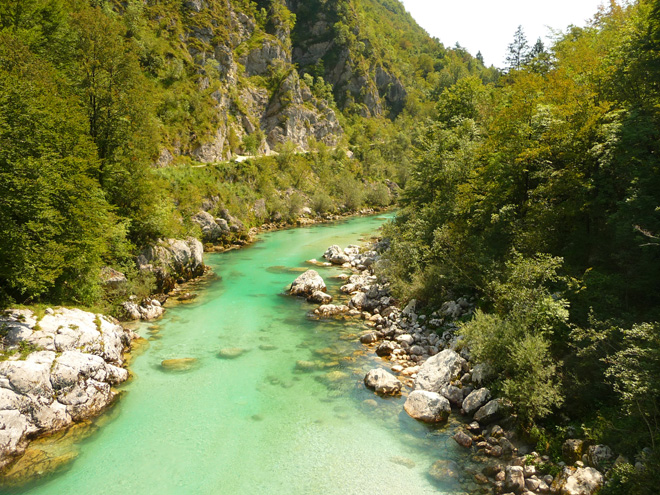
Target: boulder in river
[(429, 407), (336, 256), (382, 382), (307, 283), (438, 371)]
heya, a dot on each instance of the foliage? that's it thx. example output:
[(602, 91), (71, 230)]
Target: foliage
[(540, 195)]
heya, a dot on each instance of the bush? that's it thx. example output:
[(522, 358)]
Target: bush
[(322, 203), (379, 195)]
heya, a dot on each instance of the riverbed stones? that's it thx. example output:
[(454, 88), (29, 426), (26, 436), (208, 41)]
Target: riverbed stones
[(386, 348), (514, 480), (307, 283), (438, 371), (463, 439), (475, 400), (179, 364), (445, 471), (426, 406), (382, 382), (331, 310), (336, 256), (369, 338), (231, 352)]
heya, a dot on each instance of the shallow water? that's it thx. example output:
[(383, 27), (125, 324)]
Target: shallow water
[(256, 424)]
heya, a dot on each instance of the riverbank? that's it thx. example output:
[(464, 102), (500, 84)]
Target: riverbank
[(59, 368), (429, 365)]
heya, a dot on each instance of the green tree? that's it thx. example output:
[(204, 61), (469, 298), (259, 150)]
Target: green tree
[(55, 225)]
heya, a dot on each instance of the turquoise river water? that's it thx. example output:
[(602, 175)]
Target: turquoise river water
[(256, 424)]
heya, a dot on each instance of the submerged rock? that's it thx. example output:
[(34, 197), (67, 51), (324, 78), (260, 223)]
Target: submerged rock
[(382, 382), (444, 471), (180, 364), (231, 352), (463, 439), (34, 464)]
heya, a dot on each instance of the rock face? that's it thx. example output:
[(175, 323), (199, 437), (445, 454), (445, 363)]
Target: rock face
[(68, 377), (429, 407), (438, 371), (149, 309), (172, 260), (292, 112), (382, 382), (212, 231), (307, 283)]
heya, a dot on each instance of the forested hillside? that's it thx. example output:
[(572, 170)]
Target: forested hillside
[(118, 121), (540, 197)]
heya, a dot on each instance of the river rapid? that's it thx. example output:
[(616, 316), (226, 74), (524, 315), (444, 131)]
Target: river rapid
[(257, 424)]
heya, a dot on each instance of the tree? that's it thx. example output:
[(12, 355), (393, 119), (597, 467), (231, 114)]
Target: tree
[(117, 98), (518, 50), (55, 225)]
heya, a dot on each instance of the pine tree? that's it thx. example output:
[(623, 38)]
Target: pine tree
[(518, 50)]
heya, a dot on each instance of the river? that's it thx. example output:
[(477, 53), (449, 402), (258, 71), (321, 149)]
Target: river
[(256, 424)]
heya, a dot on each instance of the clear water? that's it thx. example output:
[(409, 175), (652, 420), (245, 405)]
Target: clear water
[(256, 424)]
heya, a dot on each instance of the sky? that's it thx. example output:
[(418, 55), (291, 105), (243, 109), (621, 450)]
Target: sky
[(488, 26)]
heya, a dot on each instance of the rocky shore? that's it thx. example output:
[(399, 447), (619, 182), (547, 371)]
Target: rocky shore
[(59, 368), (430, 366)]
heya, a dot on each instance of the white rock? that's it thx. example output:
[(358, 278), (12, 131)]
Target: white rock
[(436, 373), (429, 407), (307, 283)]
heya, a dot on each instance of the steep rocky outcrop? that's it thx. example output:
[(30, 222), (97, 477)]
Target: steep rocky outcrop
[(247, 69), (173, 260), (60, 369)]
